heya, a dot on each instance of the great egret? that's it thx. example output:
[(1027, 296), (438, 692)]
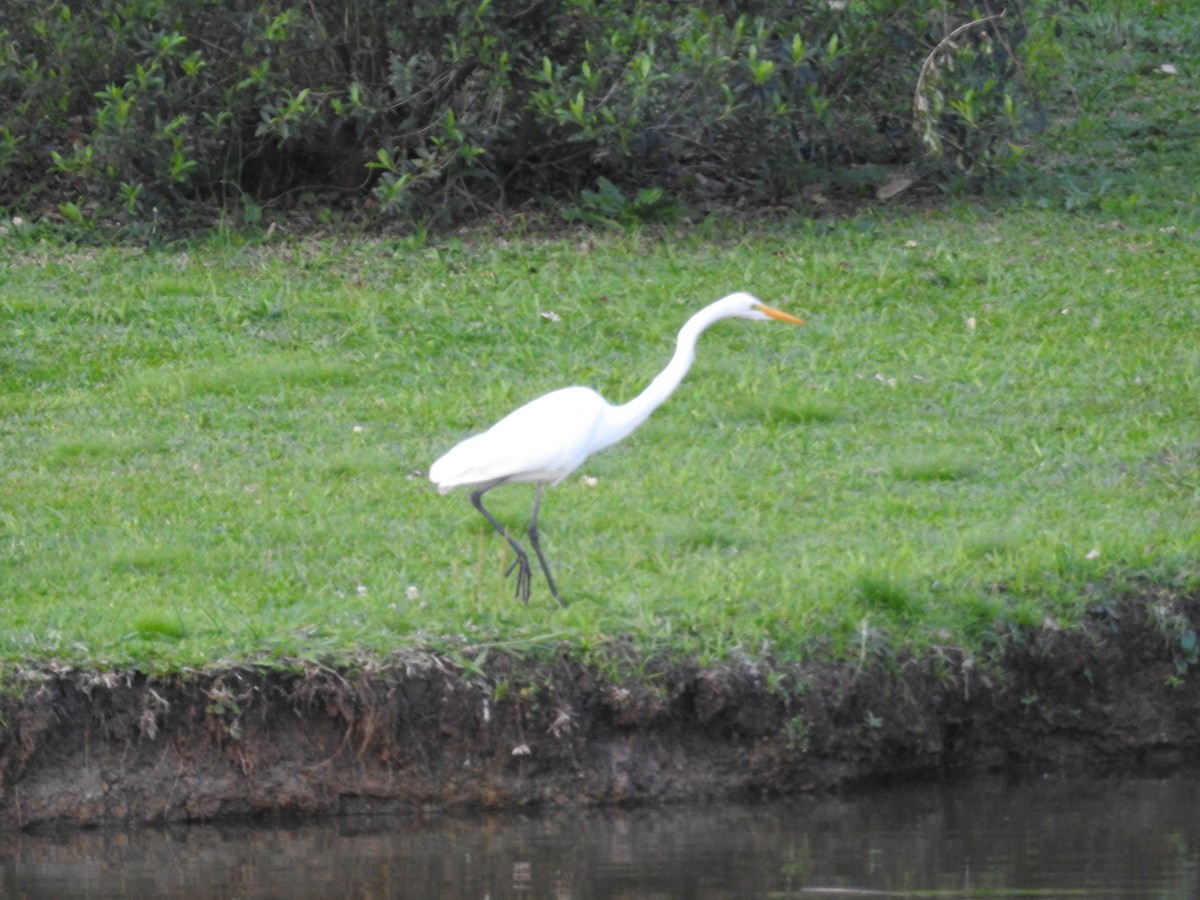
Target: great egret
[(546, 439)]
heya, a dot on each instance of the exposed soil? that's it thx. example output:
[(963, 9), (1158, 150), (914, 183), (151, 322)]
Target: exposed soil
[(95, 747)]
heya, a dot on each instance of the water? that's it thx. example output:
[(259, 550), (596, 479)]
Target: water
[(1129, 838)]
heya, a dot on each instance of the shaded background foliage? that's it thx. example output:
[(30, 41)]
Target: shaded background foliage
[(131, 112)]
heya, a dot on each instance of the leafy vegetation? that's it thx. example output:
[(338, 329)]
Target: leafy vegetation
[(144, 115)]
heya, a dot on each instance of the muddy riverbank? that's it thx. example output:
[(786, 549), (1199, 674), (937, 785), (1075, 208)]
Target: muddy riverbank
[(1119, 691)]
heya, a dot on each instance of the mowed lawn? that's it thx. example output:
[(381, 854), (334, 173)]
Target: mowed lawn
[(218, 454)]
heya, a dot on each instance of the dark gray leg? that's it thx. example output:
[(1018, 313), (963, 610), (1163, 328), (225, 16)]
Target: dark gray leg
[(533, 539), (522, 560)]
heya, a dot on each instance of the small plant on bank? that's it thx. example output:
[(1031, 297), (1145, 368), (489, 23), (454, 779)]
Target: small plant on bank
[(608, 205)]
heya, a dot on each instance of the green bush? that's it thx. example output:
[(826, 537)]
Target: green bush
[(149, 112)]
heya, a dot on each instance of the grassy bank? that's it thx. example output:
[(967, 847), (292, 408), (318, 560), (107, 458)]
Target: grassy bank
[(990, 420)]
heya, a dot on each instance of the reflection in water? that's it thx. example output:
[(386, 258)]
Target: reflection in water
[(990, 838)]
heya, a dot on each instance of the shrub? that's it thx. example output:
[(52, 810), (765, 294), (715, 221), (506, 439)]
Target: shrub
[(151, 111)]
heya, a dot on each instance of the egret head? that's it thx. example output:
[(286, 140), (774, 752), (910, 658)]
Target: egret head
[(746, 306)]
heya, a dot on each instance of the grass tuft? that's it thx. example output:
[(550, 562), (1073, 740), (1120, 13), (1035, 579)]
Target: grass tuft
[(159, 626), (797, 412), (886, 593), (939, 467)]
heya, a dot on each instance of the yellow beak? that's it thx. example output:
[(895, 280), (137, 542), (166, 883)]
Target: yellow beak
[(777, 314)]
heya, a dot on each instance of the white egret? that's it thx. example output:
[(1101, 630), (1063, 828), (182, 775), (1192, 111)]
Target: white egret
[(548, 438)]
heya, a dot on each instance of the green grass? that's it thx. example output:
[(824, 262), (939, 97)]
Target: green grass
[(991, 419)]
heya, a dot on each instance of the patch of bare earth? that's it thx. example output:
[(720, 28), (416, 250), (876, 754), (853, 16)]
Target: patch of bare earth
[(76, 747)]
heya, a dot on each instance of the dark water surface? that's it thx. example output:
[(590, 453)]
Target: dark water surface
[(1127, 837)]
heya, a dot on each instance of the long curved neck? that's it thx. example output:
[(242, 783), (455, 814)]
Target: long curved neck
[(628, 416)]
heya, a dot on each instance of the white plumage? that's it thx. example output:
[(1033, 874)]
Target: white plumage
[(543, 441)]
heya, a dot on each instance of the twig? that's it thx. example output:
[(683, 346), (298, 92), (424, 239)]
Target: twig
[(919, 105)]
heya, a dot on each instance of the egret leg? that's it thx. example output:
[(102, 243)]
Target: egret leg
[(522, 560), (533, 539)]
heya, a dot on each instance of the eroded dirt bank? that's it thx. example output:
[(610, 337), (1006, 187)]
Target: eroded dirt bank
[(1121, 691)]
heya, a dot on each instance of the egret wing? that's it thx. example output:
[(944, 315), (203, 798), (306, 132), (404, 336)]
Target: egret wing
[(542, 441)]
